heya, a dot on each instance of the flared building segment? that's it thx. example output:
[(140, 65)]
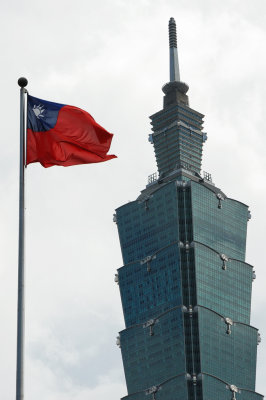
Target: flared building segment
[(185, 285)]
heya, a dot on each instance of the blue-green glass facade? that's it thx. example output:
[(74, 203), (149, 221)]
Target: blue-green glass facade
[(185, 286)]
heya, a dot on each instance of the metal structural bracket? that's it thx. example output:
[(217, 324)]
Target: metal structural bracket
[(204, 136), (194, 379), (259, 339), (220, 198), (229, 322), (147, 260), (153, 390), (150, 138), (234, 389), (186, 246), (118, 341), (150, 324), (184, 309), (190, 311), (225, 259), (145, 199)]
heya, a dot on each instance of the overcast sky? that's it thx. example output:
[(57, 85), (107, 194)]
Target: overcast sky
[(111, 59)]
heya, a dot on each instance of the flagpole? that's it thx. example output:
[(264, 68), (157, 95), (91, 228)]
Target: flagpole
[(22, 82)]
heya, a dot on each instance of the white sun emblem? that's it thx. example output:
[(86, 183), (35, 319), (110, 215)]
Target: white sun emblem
[(38, 111)]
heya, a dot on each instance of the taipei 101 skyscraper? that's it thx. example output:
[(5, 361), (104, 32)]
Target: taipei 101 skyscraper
[(185, 285)]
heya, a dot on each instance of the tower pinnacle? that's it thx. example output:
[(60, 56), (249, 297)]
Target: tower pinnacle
[(175, 90), (174, 65)]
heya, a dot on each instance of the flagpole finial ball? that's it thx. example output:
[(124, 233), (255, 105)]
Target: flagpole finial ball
[(22, 82)]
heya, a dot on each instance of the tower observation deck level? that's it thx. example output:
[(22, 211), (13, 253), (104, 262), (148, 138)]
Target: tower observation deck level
[(185, 285)]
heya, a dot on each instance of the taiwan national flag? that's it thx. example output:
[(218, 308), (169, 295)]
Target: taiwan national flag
[(58, 134)]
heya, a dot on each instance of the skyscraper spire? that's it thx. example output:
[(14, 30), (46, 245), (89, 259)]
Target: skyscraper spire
[(174, 65), (175, 90)]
